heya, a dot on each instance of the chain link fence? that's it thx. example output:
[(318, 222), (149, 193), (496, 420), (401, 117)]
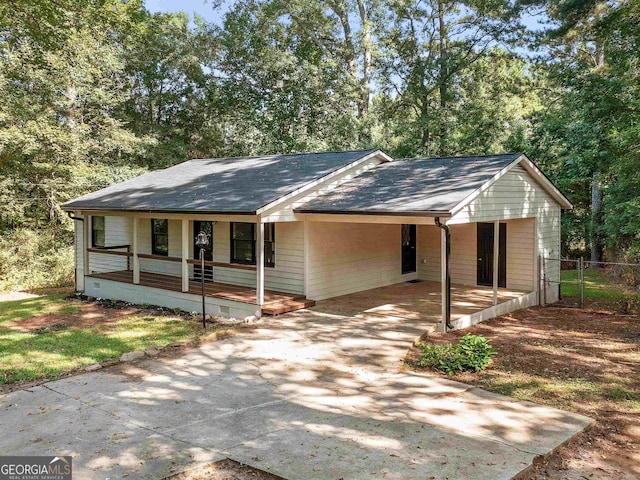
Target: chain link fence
[(583, 283)]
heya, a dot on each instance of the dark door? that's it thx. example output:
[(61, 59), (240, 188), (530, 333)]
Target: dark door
[(485, 255), (206, 227), (408, 248)]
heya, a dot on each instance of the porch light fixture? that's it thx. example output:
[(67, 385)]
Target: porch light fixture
[(202, 240)]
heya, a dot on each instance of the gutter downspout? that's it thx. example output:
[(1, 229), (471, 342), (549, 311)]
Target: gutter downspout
[(447, 315), (75, 252)]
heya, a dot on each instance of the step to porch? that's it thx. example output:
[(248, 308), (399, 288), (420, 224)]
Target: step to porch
[(286, 306)]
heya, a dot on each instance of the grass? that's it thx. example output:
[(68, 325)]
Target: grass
[(22, 309), (56, 348), (596, 286)]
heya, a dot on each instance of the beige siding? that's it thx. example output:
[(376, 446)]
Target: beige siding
[(428, 243), (346, 258), (117, 231), (520, 253)]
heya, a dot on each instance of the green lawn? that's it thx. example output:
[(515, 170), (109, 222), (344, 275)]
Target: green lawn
[(56, 347), (596, 286)]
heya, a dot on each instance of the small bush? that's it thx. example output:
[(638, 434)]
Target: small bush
[(472, 353)]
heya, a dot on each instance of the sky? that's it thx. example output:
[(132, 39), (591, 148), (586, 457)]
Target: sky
[(205, 9)]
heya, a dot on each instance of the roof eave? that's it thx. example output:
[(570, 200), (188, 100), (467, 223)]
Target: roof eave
[(407, 213), (164, 210)]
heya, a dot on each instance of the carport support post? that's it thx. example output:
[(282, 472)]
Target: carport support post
[(136, 260), (185, 255), (445, 273), (259, 263), (496, 263)]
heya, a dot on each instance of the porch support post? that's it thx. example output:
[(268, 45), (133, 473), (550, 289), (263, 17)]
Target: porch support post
[(445, 273), (443, 276), (496, 255), (260, 263), (136, 260), (185, 255), (85, 233)]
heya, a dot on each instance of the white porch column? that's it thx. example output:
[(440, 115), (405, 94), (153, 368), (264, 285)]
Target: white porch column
[(136, 260), (87, 245), (496, 263), (260, 263), (185, 255)]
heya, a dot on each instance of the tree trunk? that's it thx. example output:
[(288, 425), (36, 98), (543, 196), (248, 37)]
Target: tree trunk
[(443, 78), (365, 83), (596, 204)]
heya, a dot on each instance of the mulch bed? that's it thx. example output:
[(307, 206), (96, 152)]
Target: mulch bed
[(581, 360)]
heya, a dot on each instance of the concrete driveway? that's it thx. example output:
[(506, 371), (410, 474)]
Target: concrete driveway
[(308, 395)]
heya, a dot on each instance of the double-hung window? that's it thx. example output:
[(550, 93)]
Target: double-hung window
[(243, 244), (97, 231), (159, 237)]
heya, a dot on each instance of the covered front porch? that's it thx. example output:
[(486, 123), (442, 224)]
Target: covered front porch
[(274, 303)]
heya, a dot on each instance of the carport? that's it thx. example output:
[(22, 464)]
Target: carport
[(419, 302)]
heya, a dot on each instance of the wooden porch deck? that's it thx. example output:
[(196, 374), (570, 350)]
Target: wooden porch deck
[(275, 303)]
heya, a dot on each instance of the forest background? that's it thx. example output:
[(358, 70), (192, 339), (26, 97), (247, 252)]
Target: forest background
[(93, 92)]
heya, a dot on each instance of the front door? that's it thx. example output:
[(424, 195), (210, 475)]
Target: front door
[(485, 255), (408, 248), (206, 227)]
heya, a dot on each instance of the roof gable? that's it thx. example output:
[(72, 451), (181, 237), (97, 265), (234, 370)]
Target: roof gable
[(418, 186), (225, 185)]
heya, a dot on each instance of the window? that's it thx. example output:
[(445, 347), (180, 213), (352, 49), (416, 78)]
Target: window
[(97, 231), (159, 237), (243, 244)]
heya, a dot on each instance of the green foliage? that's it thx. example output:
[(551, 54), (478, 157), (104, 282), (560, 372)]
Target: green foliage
[(472, 353), (95, 92), (30, 259)]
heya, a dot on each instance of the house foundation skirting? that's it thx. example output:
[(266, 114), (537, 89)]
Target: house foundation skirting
[(140, 294), (524, 301)]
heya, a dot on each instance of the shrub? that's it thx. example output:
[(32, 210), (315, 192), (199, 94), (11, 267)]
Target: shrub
[(33, 259), (472, 353)]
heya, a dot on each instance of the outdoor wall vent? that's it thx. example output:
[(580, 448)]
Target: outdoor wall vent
[(224, 310), (96, 284)]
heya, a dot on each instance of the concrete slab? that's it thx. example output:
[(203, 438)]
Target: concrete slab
[(307, 395)]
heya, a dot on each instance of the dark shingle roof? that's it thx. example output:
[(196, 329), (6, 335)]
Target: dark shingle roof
[(420, 185), (233, 185)]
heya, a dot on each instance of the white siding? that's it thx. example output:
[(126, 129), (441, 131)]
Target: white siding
[(175, 247), (346, 258), (520, 253), (117, 231), (517, 195), (288, 273), (79, 252)]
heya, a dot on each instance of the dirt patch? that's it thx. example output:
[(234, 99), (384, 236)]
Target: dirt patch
[(89, 315), (580, 360), (225, 470)]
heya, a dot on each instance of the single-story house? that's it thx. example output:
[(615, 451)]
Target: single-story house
[(289, 230)]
